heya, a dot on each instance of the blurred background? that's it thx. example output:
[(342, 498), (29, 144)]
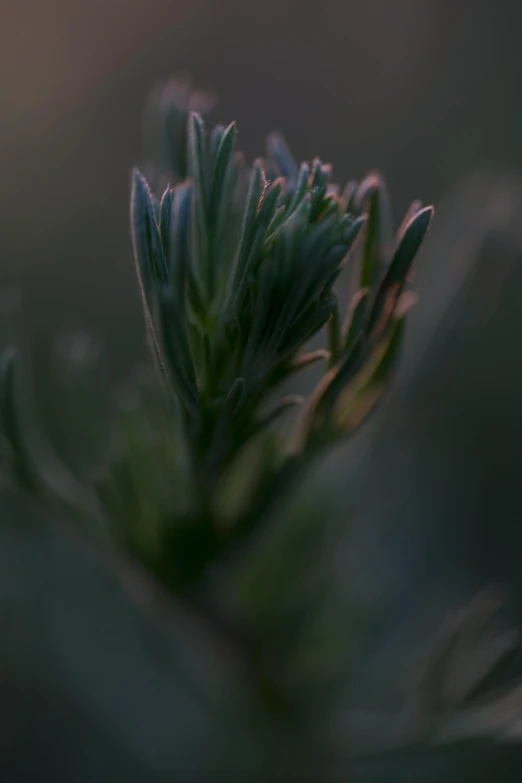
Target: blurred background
[(426, 92)]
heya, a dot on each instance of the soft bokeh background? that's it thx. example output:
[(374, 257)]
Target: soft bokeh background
[(427, 92)]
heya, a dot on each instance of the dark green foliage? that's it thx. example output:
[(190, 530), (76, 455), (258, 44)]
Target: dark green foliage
[(238, 271), (237, 279)]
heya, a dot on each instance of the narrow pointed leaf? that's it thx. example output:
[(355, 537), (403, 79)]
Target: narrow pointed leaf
[(355, 317), (378, 237), (165, 220), (148, 249), (402, 260), (257, 184), (280, 152), (300, 188), (224, 153), (197, 164), (179, 245)]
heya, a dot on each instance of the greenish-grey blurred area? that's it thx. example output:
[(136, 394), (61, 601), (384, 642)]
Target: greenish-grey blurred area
[(92, 688)]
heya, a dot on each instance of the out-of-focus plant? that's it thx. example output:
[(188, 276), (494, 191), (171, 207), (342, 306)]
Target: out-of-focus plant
[(237, 267)]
